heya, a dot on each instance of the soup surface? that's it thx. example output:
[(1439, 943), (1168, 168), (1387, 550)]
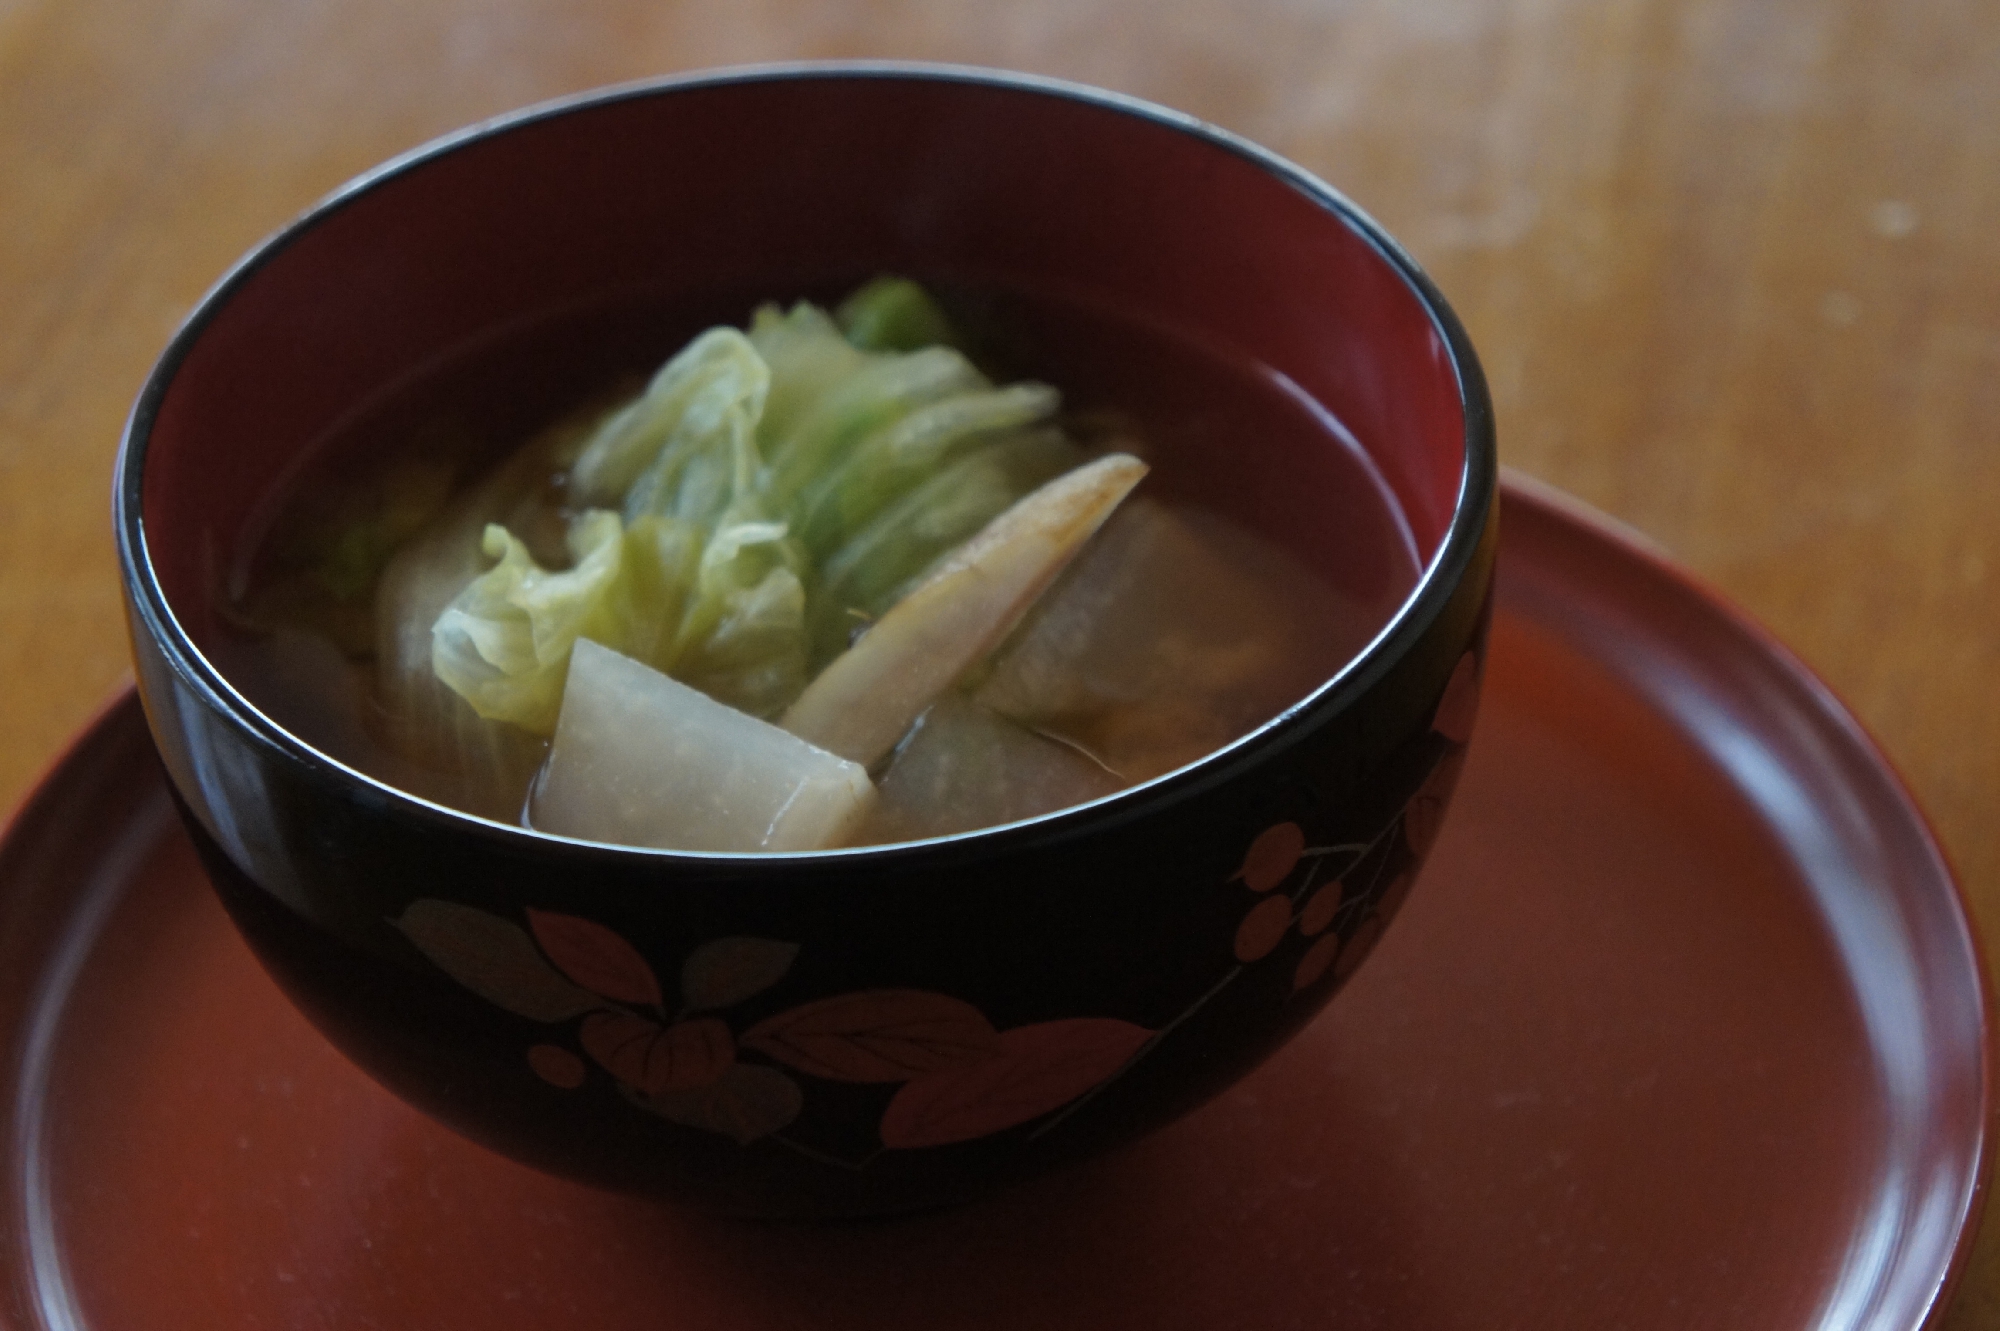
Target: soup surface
[(1258, 555)]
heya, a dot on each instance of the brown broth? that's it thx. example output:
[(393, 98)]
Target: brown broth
[(1222, 433)]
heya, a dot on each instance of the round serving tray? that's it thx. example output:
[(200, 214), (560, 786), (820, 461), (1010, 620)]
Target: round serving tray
[(1685, 1026)]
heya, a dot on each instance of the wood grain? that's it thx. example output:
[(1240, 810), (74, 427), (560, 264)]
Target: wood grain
[(1732, 264)]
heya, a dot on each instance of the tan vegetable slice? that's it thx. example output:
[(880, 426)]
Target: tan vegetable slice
[(864, 701), (641, 759), (1175, 633), (967, 767), (444, 750)]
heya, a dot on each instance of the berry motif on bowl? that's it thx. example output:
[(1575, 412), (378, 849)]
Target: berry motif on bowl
[(1340, 897)]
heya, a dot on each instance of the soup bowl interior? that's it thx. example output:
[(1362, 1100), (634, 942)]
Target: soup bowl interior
[(866, 1030)]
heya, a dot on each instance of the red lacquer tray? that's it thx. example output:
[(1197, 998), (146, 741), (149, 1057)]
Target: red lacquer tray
[(1684, 1027)]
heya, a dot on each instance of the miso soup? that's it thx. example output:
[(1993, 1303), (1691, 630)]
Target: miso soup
[(732, 575)]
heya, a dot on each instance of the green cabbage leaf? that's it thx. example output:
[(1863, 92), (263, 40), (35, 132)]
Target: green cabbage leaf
[(503, 643), (766, 494)]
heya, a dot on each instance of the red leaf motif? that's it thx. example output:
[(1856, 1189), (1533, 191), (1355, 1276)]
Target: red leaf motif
[(1038, 1069), (493, 958), (1320, 909), (1272, 856), (1460, 703), (595, 958), (878, 1035), (729, 970), (747, 1102), (653, 1059), (1317, 958), (1263, 928)]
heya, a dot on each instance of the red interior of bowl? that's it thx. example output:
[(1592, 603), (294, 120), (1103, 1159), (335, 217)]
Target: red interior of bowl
[(794, 182)]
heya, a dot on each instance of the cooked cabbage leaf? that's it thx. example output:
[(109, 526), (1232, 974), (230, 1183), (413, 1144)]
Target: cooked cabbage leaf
[(884, 559), (703, 402), (894, 314), (503, 643), (776, 489), (742, 640), (807, 356), (878, 393), (893, 461)]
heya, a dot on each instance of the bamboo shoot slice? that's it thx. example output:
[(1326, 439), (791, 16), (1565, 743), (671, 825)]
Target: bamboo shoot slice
[(869, 695)]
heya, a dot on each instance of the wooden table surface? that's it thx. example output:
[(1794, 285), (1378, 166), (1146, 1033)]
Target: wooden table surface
[(1733, 266)]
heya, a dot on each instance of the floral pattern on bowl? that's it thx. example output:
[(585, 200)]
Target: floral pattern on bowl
[(957, 1076)]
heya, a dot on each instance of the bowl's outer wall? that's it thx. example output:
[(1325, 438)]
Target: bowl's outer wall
[(1128, 912), (1134, 921)]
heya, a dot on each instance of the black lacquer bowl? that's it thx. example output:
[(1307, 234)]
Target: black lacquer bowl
[(862, 1031)]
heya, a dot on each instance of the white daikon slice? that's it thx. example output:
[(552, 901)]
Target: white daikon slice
[(965, 767), (1173, 634), (641, 759)]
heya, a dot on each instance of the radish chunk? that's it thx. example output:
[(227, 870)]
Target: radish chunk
[(1173, 634), (865, 700), (641, 759), (965, 767)]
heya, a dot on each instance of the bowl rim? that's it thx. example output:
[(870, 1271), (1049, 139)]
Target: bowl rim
[(1473, 515)]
